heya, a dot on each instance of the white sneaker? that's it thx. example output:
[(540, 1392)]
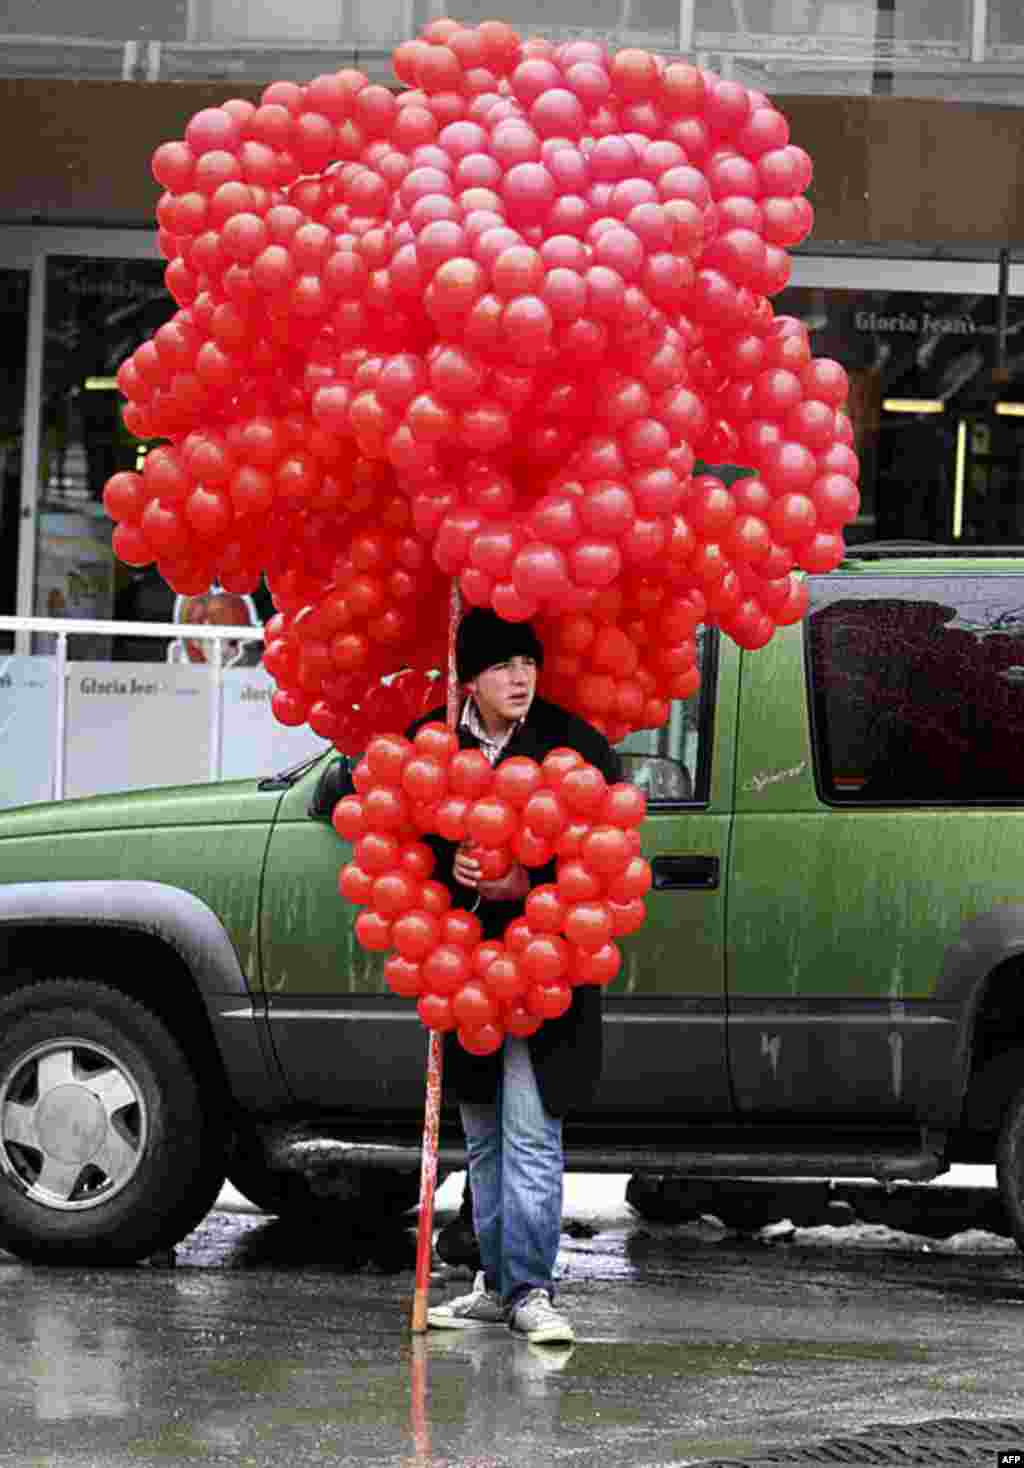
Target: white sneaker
[(536, 1318), (480, 1308)]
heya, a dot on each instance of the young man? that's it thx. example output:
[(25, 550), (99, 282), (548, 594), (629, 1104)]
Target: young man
[(512, 1102)]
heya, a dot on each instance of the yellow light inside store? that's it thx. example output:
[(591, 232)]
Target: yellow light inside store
[(958, 479), (101, 384), (1010, 410), (913, 405)]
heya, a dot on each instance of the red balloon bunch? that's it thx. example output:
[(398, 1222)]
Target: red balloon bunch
[(362, 616), (483, 329), (561, 810)]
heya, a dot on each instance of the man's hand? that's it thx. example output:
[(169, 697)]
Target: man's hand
[(513, 886), (466, 867)]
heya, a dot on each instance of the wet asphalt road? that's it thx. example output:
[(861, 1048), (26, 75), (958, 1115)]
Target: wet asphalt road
[(275, 1345)]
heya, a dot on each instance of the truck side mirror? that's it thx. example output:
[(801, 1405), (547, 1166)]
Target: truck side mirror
[(334, 782)]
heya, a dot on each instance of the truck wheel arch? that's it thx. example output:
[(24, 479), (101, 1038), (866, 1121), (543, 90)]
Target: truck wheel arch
[(149, 932)]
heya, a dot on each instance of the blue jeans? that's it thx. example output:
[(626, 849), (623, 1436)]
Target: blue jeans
[(515, 1174)]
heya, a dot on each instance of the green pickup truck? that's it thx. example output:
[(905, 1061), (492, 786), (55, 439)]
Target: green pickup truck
[(830, 980)]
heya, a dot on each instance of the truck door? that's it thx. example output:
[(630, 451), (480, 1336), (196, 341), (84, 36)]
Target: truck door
[(664, 1031), (854, 872)]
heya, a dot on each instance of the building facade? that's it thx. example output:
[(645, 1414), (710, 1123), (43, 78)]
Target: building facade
[(913, 276)]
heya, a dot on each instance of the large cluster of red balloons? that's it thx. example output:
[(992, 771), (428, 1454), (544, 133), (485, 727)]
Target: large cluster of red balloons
[(560, 810), (484, 328), (489, 327)]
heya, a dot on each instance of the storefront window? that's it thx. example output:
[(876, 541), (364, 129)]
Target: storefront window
[(937, 401), (97, 312)]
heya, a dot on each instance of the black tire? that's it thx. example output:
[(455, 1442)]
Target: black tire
[(1010, 1166), (108, 1149), (356, 1193)]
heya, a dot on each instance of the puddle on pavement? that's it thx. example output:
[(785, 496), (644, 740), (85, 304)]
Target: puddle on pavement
[(620, 1359)]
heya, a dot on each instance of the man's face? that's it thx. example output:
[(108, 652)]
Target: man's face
[(227, 610), (504, 691)]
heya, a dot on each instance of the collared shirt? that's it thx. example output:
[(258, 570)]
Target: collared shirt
[(491, 745)]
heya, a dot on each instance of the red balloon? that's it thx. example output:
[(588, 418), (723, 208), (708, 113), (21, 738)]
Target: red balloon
[(548, 999), (545, 909), (355, 884), (403, 977), (594, 966), (424, 780), (543, 814), (606, 851), (473, 1006), (491, 822), (394, 892), (589, 925), (504, 978), (445, 968), (583, 790), (385, 809), (634, 880), (415, 934), (531, 849), (626, 917), (519, 1020), (435, 1011), (484, 1039), (494, 861), (386, 757), (450, 818), (576, 882), (373, 931), (376, 852), (461, 927), (434, 741), (544, 959)]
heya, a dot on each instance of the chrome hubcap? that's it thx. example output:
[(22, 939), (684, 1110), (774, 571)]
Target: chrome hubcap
[(73, 1125)]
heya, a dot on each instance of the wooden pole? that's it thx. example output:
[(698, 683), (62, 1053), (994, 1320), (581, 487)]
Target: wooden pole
[(435, 1061)]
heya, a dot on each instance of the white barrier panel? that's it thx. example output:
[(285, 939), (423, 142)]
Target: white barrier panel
[(133, 725), (28, 723), (253, 742)]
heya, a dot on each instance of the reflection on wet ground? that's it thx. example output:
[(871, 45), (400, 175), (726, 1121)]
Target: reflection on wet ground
[(275, 1344)]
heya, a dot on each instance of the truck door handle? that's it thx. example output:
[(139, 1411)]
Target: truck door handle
[(672, 873)]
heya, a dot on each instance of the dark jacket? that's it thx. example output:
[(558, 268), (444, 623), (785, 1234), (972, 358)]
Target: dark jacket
[(566, 1052)]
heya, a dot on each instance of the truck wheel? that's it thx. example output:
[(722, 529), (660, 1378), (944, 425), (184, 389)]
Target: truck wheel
[(1010, 1166), (107, 1152)]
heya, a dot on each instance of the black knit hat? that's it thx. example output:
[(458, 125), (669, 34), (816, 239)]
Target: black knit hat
[(484, 639)]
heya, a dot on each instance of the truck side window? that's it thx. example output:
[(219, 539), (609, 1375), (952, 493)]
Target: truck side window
[(917, 689), (673, 763)]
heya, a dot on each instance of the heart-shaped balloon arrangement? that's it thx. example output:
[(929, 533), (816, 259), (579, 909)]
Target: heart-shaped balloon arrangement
[(560, 811), (485, 329)]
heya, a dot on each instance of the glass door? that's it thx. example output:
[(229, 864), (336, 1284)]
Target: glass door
[(14, 299)]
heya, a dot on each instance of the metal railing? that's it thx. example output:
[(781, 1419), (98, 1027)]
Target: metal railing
[(63, 628)]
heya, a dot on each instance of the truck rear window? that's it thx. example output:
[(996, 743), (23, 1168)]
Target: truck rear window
[(917, 688)]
